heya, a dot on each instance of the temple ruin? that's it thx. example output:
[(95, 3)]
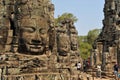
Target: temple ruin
[(107, 46), (31, 47)]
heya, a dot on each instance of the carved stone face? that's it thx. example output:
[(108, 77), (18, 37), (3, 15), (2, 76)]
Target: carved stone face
[(4, 31), (73, 38), (63, 44), (34, 34), (3, 38)]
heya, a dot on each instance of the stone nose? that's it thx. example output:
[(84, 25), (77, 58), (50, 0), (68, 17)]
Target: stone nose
[(37, 36)]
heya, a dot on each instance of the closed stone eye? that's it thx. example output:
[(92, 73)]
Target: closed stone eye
[(42, 31), (29, 29)]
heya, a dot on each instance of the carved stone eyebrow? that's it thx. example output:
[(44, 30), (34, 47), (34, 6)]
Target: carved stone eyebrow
[(43, 30), (28, 29)]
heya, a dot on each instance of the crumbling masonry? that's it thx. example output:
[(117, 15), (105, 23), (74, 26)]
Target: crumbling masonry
[(107, 45)]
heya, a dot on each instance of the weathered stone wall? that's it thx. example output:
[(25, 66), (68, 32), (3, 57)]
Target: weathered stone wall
[(109, 37), (6, 20)]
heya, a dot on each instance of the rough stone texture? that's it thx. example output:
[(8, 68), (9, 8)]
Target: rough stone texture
[(5, 17), (32, 48), (109, 37)]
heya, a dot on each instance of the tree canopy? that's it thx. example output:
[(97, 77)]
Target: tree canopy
[(65, 16), (87, 41), (92, 35)]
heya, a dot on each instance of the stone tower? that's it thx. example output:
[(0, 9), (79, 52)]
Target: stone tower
[(107, 44)]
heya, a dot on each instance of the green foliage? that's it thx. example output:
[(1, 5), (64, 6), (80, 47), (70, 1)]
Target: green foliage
[(92, 35), (65, 16), (84, 47), (86, 42)]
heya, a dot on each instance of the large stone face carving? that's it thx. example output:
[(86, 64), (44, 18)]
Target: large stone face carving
[(34, 21), (67, 38), (74, 39), (34, 35), (63, 42)]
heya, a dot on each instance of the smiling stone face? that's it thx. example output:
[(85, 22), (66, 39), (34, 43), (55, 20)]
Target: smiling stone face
[(34, 35)]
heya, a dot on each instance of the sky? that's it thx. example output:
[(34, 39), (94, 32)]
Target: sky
[(89, 13)]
